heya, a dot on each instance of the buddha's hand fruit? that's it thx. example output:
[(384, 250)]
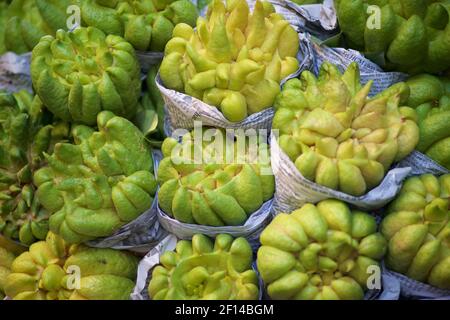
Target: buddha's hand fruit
[(6, 260), (417, 227), (78, 74), (29, 20), (101, 182), (26, 133), (206, 186), (234, 60), (337, 136), (431, 98), (412, 36), (320, 252), (146, 24), (203, 270), (53, 270)]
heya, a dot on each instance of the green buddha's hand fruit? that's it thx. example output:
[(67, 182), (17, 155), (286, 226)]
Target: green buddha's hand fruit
[(234, 60), (320, 252), (146, 24), (29, 20), (431, 98), (25, 135), (203, 270), (417, 227), (101, 182), (78, 74), (412, 36), (53, 270), (150, 113), (216, 187), (337, 136)]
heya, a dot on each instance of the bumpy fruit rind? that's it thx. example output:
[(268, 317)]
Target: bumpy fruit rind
[(26, 133), (202, 185), (412, 36), (201, 269), (337, 136), (234, 60), (53, 270), (78, 74), (101, 182), (320, 252), (146, 24), (430, 96), (417, 227)]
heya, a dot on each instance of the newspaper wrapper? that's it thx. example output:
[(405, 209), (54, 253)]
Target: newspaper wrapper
[(183, 109), (422, 164), (412, 289), (292, 190), (140, 234), (251, 230), (314, 18), (15, 72), (151, 260)]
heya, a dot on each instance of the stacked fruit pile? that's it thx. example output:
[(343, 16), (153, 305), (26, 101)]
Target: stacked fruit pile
[(146, 24), (336, 135), (418, 230), (219, 190), (411, 36), (320, 252), (431, 98), (43, 273), (201, 269), (234, 60), (76, 156)]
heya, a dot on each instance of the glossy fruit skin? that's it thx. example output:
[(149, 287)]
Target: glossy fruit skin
[(54, 270), (234, 60), (27, 131), (146, 24), (81, 73), (202, 189), (205, 270), (100, 182), (417, 226), (430, 96), (320, 252), (29, 20), (412, 36), (337, 136)]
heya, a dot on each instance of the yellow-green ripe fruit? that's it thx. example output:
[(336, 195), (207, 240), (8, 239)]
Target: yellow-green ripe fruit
[(81, 73), (27, 21), (205, 270), (336, 135), (320, 252), (215, 187), (27, 131), (53, 270), (234, 60), (411, 36), (100, 182), (417, 226), (146, 24)]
